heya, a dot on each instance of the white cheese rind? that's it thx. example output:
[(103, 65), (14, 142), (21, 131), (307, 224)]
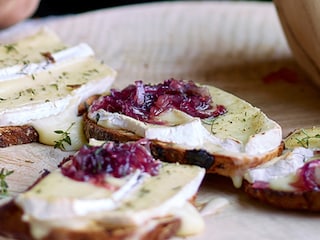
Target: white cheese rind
[(282, 171), (57, 196), (264, 141), (282, 166), (189, 132)]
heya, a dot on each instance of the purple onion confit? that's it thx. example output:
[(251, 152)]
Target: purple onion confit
[(145, 102)]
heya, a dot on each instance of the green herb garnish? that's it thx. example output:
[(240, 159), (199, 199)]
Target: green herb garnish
[(10, 48), (305, 140), (54, 85), (4, 173), (144, 191), (65, 138), (208, 121)]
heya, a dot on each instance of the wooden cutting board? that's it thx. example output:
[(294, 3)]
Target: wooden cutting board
[(237, 46)]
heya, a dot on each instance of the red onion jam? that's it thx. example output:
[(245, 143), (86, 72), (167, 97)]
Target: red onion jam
[(144, 101), (93, 163), (260, 184), (309, 176)]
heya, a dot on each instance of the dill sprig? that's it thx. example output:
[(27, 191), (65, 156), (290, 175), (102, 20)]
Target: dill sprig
[(209, 121), (305, 140), (4, 173), (10, 48), (65, 138)]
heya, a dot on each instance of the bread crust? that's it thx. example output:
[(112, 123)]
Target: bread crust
[(16, 135), (84, 106), (168, 152), (290, 200), (12, 226)]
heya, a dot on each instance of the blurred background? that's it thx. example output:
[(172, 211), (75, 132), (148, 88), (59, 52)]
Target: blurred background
[(59, 7)]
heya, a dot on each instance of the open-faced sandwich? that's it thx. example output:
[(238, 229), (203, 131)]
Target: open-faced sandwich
[(42, 83), (292, 180), (188, 123), (108, 191)]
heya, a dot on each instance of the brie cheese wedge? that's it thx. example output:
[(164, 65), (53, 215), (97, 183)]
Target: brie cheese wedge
[(42, 82)]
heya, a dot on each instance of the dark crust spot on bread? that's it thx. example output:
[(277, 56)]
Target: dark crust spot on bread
[(290, 200), (16, 135), (200, 158), (168, 152)]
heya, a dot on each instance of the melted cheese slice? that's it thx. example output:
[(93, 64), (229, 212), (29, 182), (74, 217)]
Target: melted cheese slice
[(243, 132), (281, 171), (38, 91), (59, 201)]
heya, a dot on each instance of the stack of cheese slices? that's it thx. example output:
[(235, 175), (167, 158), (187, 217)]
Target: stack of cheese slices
[(42, 83)]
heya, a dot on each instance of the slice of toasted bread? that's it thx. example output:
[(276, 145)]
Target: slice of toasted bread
[(291, 200), (15, 135), (243, 137), (290, 181)]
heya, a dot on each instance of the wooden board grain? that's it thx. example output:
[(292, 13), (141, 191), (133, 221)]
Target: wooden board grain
[(237, 46)]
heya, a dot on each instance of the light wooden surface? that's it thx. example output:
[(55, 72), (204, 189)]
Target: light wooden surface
[(231, 45)]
